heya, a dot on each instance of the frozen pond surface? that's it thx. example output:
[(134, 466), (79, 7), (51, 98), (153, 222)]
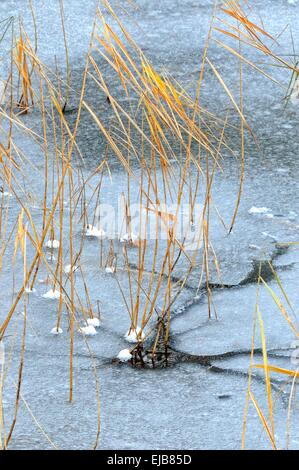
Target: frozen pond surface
[(193, 404)]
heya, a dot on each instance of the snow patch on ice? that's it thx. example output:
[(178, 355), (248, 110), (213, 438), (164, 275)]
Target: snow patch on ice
[(94, 322), (124, 355), (129, 238), (52, 294), (68, 269), (254, 247), (52, 244), (28, 290), (91, 231), (110, 269), (133, 336), (88, 330), (259, 210), (56, 331)]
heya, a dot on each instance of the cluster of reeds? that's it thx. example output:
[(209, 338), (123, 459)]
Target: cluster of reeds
[(175, 146)]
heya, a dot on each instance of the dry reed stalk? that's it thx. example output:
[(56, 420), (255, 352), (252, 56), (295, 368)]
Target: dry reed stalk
[(62, 16), (20, 241), (21, 60)]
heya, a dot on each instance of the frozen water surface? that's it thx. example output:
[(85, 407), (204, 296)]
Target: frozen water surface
[(189, 405)]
